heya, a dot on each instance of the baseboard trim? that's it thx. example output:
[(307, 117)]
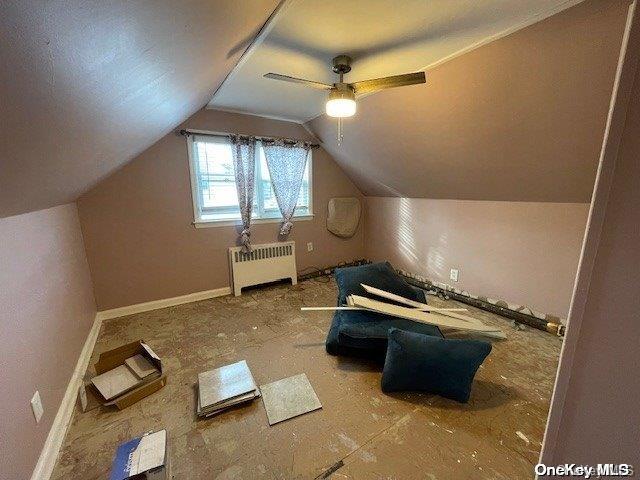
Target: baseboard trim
[(163, 303), (62, 420)]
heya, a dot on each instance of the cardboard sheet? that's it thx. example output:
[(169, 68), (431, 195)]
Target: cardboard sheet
[(141, 455)]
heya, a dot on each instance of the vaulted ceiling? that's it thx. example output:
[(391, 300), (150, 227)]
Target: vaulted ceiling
[(85, 85), (518, 119), (383, 37)]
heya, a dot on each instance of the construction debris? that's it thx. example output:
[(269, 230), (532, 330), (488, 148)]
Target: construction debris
[(225, 387)]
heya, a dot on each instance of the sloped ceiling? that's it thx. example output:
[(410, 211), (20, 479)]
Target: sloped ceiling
[(87, 85), (519, 119), (383, 37)]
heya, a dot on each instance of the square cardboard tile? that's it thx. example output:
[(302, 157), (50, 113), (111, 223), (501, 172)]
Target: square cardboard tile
[(288, 398)]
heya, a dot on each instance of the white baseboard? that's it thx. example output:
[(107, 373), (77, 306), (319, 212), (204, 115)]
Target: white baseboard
[(163, 303), (51, 449)]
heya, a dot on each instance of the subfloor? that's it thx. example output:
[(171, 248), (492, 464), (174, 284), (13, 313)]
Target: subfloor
[(360, 432)]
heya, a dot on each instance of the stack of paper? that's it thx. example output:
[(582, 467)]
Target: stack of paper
[(224, 387)]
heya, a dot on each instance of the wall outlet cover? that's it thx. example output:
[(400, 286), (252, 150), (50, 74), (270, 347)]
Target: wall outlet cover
[(454, 274), (36, 406), (309, 246)]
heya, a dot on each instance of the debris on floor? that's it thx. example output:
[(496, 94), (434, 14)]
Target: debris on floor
[(144, 457), (288, 398), (125, 375), (225, 387)]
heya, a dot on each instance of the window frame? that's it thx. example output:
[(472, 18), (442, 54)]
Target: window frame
[(200, 221)]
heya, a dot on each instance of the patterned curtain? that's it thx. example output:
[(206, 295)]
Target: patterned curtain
[(244, 168), (286, 162)]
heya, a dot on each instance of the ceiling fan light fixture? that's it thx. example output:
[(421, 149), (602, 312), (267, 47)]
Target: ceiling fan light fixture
[(341, 102)]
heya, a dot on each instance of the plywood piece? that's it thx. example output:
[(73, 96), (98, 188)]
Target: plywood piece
[(140, 366), (419, 316), (224, 383), (115, 382), (288, 398)]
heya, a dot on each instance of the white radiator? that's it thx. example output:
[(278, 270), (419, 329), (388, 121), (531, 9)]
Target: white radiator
[(266, 263)]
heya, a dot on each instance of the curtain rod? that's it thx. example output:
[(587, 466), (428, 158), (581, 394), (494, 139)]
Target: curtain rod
[(187, 132)]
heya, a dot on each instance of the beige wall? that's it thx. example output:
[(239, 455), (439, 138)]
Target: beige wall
[(46, 312), (518, 119), (524, 253), (594, 413), (140, 242)]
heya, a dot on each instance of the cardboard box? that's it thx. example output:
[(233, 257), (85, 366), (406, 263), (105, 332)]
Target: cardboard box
[(144, 457), (117, 357)]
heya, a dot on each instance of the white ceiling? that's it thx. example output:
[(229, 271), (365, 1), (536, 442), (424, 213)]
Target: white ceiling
[(383, 37)]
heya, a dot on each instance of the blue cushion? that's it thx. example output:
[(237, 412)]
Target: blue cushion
[(379, 275), (446, 367), (372, 335)]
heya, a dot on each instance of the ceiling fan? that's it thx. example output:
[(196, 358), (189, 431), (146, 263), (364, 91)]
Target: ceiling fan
[(342, 96)]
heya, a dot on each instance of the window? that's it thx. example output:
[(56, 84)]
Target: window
[(215, 198)]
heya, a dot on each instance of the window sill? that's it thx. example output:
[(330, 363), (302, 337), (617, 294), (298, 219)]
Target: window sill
[(238, 222)]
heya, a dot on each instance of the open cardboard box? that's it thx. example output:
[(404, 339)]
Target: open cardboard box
[(114, 358)]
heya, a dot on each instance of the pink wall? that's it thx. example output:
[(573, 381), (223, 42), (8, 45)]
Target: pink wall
[(137, 227), (594, 413), (47, 308), (521, 252)]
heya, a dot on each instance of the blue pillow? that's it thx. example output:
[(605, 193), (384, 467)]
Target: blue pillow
[(424, 363), (379, 275)]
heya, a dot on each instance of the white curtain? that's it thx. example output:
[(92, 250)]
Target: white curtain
[(286, 162), (244, 168)]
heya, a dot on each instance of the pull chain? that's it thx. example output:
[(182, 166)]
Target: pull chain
[(340, 135)]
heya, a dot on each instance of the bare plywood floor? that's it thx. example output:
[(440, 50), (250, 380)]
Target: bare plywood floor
[(496, 435)]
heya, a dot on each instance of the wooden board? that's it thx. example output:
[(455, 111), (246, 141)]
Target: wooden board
[(449, 312), (407, 301), (439, 320)]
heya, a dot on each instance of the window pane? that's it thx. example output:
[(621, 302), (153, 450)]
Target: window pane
[(216, 190), (215, 173), (270, 202)]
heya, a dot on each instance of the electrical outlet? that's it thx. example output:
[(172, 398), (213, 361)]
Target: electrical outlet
[(309, 246), (453, 275), (36, 406)]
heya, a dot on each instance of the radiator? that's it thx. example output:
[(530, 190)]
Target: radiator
[(266, 263)]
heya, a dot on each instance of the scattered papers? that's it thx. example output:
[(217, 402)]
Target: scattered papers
[(224, 387), (288, 398)]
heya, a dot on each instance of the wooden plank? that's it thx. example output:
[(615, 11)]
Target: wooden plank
[(407, 301), (449, 312), (439, 320)]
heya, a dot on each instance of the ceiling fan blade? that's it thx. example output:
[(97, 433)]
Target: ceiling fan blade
[(368, 86), (301, 81)]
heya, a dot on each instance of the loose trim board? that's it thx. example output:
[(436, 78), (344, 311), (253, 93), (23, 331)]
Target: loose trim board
[(439, 320), (288, 398), (412, 303)]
